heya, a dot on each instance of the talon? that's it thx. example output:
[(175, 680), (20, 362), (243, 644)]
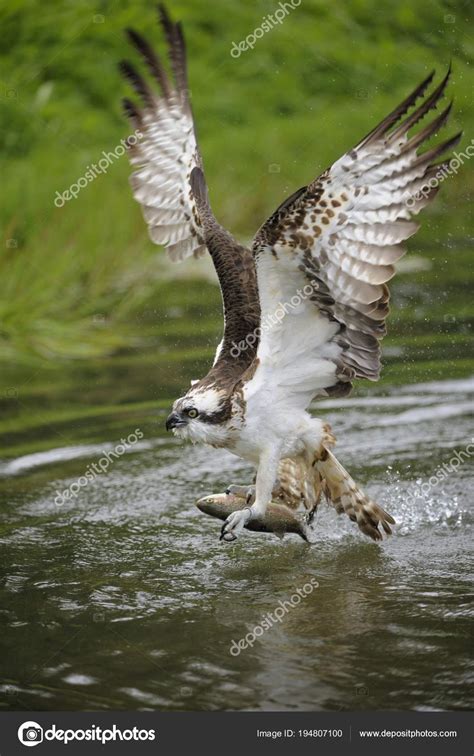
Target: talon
[(234, 524), (311, 514), (227, 537), (241, 491)]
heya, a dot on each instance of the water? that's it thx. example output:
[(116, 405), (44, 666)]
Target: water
[(122, 597)]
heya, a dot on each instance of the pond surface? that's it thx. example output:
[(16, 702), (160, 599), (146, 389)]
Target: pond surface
[(122, 596)]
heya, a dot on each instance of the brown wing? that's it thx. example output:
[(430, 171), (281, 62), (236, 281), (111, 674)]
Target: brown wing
[(341, 235), (169, 184)]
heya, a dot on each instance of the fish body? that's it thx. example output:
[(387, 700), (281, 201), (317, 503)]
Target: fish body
[(278, 519)]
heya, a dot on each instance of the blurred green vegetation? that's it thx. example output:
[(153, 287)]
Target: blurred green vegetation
[(84, 281)]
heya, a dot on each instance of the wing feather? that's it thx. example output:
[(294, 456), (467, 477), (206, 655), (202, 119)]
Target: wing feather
[(341, 236), (168, 181), (167, 152)]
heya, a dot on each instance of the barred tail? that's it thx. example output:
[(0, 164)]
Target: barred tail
[(345, 496)]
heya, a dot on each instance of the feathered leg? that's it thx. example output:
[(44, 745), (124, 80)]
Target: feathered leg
[(266, 476)]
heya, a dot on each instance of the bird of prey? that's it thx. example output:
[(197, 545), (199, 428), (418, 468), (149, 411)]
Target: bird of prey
[(321, 261)]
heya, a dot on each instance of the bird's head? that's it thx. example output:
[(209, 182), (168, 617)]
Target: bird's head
[(200, 416)]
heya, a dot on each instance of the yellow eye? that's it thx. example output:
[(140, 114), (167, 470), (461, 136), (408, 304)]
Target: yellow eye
[(193, 412)]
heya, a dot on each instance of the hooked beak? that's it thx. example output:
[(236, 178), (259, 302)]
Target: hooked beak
[(173, 420)]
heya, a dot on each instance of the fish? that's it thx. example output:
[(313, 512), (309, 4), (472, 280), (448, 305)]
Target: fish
[(278, 519)]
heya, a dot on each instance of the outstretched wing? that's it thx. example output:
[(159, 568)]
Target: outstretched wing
[(167, 150), (169, 184), (324, 258)]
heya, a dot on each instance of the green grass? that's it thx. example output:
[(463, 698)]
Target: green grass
[(83, 280)]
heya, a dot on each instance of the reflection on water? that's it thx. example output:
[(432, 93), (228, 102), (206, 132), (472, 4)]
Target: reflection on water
[(123, 597)]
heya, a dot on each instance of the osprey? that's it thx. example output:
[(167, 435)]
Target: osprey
[(305, 307)]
